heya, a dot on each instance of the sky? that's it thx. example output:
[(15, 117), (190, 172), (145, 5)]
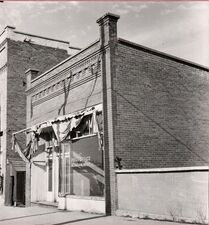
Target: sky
[(179, 28)]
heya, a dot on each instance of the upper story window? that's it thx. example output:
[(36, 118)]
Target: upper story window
[(87, 126), (84, 128)]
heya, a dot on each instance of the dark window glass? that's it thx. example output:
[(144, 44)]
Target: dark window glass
[(84, 128), (50, 175)]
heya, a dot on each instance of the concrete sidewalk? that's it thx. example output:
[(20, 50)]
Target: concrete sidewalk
[(49, 216)]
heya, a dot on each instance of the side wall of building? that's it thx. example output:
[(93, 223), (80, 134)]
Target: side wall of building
[(161, 122), (162, 111)]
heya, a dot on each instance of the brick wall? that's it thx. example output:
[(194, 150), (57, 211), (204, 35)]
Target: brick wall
[(72, 86), (162, 111), (69, 87), (22, 56), (78, 98)]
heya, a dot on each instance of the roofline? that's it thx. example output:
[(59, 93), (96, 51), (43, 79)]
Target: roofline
[(38, 36), (11, 27), (162, 54), (130, 44), (69, 58), (32, 35)]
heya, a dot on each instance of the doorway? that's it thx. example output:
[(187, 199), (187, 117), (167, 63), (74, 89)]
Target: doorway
[(20, 190), (52, 179)]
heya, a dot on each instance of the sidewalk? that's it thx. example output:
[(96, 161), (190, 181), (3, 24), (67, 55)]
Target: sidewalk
[(49, 216)]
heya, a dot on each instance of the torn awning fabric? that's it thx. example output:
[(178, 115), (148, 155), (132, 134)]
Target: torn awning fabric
[(62, 127), (31, 146)]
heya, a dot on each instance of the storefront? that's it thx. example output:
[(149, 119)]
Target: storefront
[(115, 93), (66, 160)]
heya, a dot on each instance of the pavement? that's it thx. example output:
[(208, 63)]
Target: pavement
[(37, 215)]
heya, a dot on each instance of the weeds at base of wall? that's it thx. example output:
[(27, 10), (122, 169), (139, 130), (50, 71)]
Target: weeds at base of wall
[(201, 216), (142, 216), (176, 221), (176, 215)]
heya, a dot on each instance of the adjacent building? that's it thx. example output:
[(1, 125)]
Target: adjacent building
[(18, 52), (119, 128)]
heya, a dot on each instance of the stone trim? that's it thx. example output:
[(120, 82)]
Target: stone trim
[(164, 170)]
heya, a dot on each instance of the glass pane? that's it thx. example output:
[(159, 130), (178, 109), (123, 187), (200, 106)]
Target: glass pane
[(87, 167), (61, 172), (100, 121), (50, 175), (67, 175), (84, 128), (81, 168)]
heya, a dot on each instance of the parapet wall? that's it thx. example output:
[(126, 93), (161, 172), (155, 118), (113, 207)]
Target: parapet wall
[(11, 33)]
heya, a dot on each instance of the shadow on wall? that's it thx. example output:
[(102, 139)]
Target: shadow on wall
[(66, 86)]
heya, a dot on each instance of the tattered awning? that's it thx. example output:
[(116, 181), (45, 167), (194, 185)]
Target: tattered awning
[(62, 127)]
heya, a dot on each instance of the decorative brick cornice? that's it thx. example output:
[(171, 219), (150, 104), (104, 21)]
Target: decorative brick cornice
[(80, 72), (78, 65), (43, 97), (87, 71)]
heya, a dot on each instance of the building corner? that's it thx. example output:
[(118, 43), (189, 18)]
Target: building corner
[(108, 41)]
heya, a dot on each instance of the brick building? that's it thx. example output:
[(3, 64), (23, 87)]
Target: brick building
[(18, 52), (121, 129)]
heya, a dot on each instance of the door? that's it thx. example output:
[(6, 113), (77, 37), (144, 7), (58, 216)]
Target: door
[(52, 178), (20, 188)]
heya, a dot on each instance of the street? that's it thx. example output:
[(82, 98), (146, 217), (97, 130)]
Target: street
[(37, 215)]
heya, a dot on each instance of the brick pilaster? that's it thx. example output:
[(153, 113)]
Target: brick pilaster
[(28, 185), (108, 39)]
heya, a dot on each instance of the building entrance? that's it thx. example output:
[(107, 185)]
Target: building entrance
[(20, 188)]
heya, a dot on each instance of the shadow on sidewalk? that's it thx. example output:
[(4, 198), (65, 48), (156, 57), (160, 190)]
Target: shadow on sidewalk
[(20, 217), (78, 220)]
